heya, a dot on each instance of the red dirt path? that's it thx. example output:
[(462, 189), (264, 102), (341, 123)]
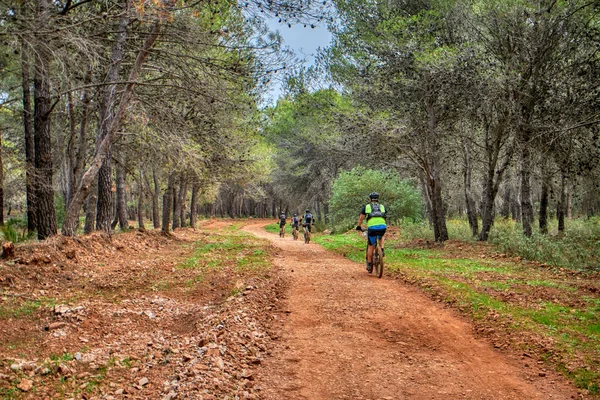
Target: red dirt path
[(352, 336)]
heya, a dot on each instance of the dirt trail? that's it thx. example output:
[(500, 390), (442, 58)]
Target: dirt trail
[(352, 336)]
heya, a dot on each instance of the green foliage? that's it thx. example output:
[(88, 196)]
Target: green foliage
[(351, 192), (577, 248), (15, 230)]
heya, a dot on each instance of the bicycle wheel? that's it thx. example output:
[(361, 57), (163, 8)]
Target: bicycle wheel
[(378, 261), (308, 237)]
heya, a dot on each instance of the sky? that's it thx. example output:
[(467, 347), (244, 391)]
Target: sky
[(304, 42)]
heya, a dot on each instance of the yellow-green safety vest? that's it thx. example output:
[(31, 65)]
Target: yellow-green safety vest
[(378, 218)]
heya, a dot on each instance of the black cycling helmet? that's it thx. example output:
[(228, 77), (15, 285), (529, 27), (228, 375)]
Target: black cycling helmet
[(374, 196), (307, 210), (295, 214)]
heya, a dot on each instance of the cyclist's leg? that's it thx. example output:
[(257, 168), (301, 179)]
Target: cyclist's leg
[(371, 240)]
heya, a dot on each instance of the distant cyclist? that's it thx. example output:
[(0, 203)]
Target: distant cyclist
[(282, 222), (295, 221), (376, 217), (308, 220)]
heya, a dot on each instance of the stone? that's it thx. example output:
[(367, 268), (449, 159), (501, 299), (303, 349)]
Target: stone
[(56, 325), (143, 382), (25, 385), (119, 392)]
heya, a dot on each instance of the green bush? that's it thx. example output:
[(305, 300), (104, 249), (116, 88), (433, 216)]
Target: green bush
[(351, 192)]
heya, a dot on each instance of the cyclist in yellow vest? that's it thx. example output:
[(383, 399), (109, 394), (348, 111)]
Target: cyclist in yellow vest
[(376, 216)]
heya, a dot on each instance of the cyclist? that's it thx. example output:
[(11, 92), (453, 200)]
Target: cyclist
[(376, 226), (308, 220), (295, 222), (282, 222)]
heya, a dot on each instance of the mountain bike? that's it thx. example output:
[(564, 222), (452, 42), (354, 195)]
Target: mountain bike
[(377, 256), (295, 232), (306, 234)]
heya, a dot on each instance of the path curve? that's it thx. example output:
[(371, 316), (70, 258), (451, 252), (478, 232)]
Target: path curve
[(352, 336)]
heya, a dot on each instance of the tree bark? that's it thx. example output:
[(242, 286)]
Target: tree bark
[(543, 214), (140, 209), (194, 205), (562, 204), (121, 214), (70, 150), (155, 199), (526, 204), (168, 203), (44, 192), (90, 212), (104, 206), (182, 199), (72, 213), (506, 199), (29, 139), (470, 203)]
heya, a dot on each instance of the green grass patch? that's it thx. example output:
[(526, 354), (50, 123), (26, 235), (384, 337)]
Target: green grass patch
[(17, 308), (227, 248), (522, 298)]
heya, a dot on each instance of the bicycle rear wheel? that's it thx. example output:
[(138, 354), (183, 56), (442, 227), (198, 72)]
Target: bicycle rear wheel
[(378, 261)]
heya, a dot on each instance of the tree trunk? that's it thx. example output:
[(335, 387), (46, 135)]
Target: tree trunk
[(182, 199), (104, 208), (562, 203), (176, 205), (70, 150), (470, 203), (168, 203), (44, 193), (194, 206), (506, 200), (140, 209), (72, 214), (29, 139), (543, 222), (155, 199), (90, 212), (438, 210), (526, 205), (121, 214)]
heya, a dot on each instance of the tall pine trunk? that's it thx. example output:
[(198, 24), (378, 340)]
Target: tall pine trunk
[(469, 201), (526, 204), (168, 203), (155, 200), (543, 214), (140, 212), (182, 199), (44, 191), (29, 139), (194, 205), (121, 212), (104, 207), (90, 211), (561, 207)]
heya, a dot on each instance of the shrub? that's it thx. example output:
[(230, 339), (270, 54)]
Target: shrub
[(351, 190)]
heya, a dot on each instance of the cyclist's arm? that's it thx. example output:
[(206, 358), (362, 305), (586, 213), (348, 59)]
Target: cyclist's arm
[(360, 219)]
